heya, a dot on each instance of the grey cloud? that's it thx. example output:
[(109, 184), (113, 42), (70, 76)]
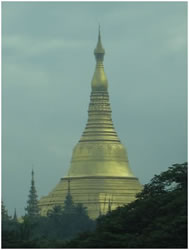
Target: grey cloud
[(47, 67)]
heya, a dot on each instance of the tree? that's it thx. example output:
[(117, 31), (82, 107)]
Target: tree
[(60, 224), (9, 229), (6, 219), (15, 216), (4, 213), (175, 178), (80, 209), (156, 219)]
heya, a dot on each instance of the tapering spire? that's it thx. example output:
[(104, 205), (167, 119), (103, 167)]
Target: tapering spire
[(99, 81), (32, 177), (99, 162), (15, 216), (99, 151), (68, 203), (99, 50), (69, 186), (32, 209)]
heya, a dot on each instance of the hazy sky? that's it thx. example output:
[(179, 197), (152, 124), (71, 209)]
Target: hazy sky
[(47, 68)]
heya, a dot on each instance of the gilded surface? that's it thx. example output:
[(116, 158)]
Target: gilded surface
[(96, 193), (99, 151), (100, 174)]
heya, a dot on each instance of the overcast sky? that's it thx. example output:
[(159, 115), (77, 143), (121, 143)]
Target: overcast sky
[(47, 68)]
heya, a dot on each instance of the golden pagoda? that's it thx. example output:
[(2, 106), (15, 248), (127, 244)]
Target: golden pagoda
[(99, 175)]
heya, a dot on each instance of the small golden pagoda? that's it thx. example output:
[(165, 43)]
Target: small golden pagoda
[(99, 175)]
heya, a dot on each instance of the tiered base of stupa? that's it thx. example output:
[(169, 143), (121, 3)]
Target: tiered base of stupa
[(98, 194)]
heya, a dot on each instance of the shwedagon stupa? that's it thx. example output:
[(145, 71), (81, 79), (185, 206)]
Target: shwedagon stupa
[(99, 174)]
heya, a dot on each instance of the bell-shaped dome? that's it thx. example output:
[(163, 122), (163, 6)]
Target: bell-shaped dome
[(99, 170), (99, 151)]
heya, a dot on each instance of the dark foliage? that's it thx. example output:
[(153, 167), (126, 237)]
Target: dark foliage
[(157, 219), (49, 231), (37, 231)]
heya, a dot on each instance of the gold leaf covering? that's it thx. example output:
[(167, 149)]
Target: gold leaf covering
[(99, 173)]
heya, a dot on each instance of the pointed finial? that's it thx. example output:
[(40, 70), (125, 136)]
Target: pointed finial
[(32, 179), (99, 51), (32, 170), (15, 215), (32, 175)]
